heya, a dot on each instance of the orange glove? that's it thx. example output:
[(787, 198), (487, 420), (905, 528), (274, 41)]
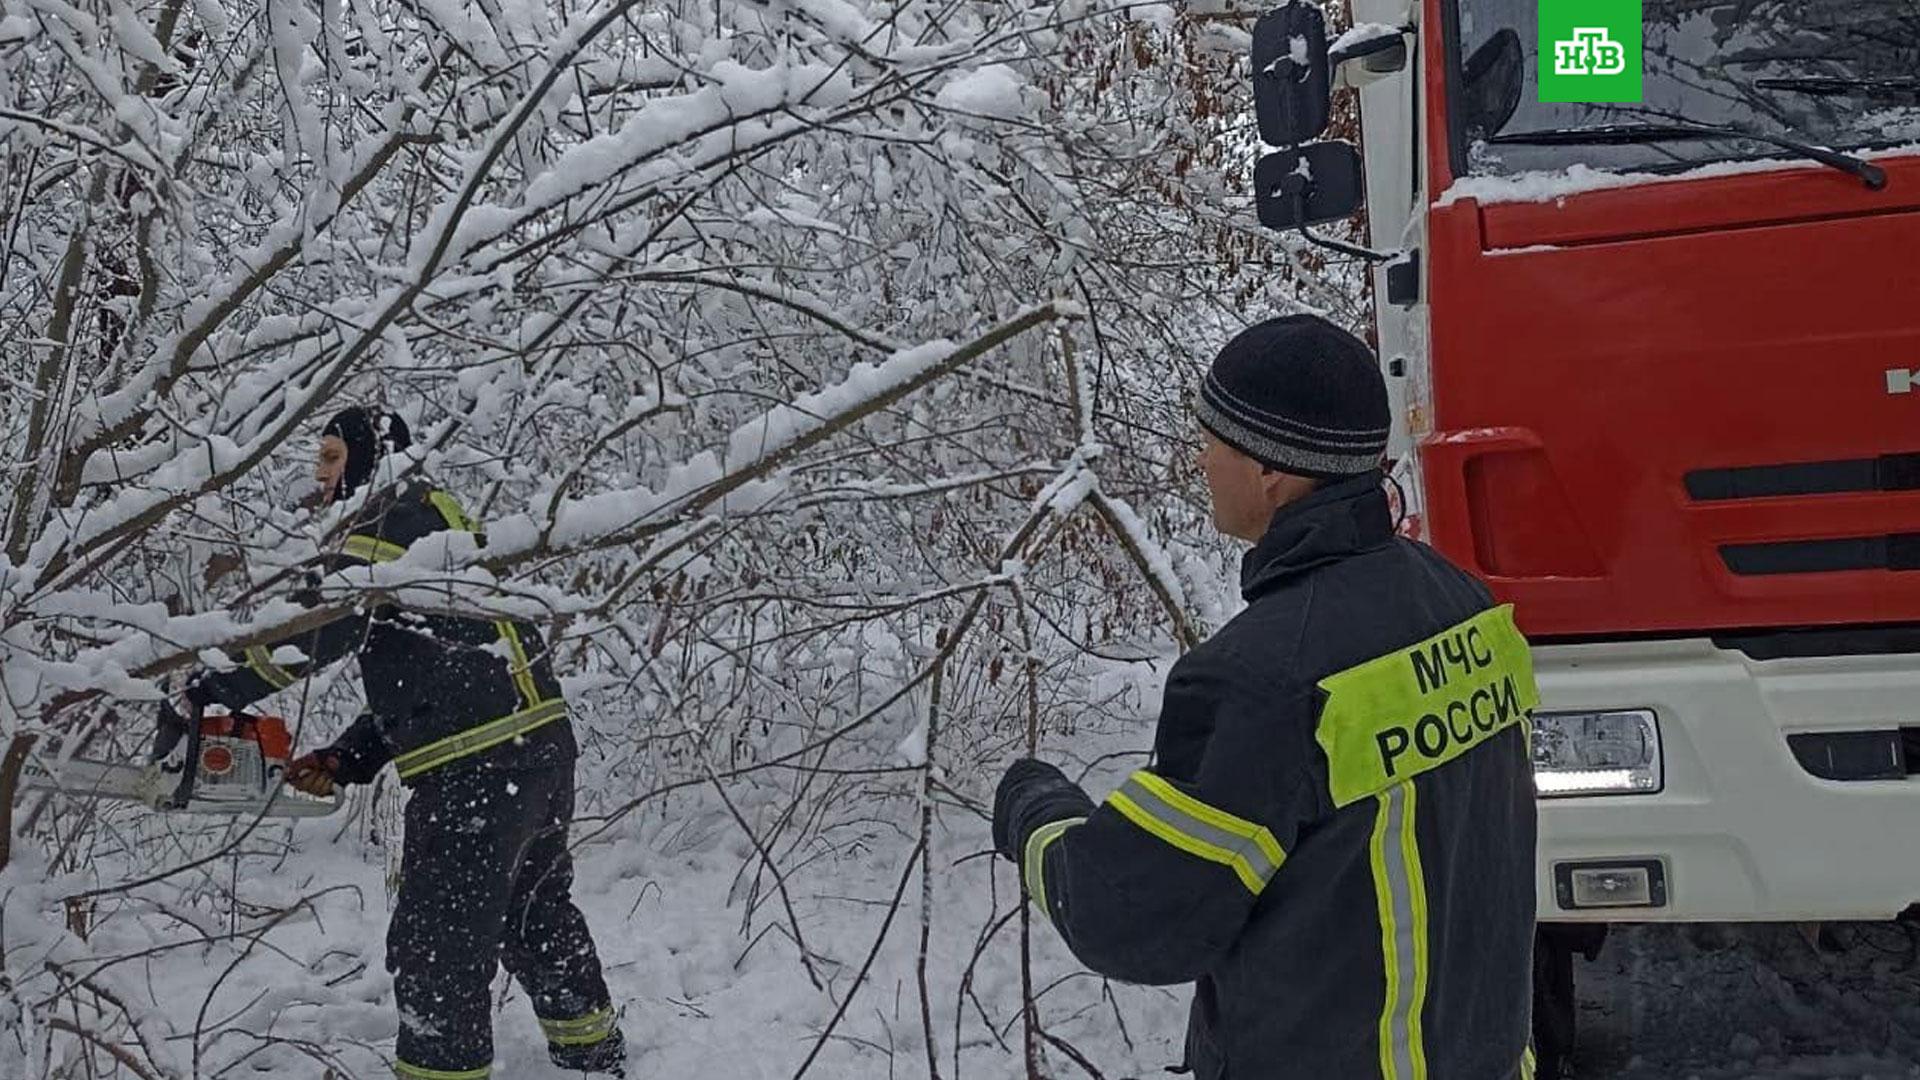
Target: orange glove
[(313, 773)]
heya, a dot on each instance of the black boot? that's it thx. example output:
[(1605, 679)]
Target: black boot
[(608, 1056)]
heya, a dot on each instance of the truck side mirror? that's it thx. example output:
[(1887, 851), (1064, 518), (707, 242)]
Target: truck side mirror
[(1292, 88), (1492, 79), (1308, 185)]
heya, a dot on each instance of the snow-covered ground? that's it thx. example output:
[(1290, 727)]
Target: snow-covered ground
[(698, 941)]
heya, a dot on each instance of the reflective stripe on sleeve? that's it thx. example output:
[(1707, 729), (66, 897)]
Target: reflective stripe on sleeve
[(406, 1070), (1170, 814), (1034, 865), (1528, 1064), (478, 738), (1401, 895), (583, 1031), (260, 662), (372, 548)]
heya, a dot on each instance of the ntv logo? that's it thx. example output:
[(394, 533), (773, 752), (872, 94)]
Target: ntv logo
[(1591, 51)]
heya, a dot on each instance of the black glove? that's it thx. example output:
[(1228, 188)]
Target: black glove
[(168, 729), (359, 752), (1031, 794)]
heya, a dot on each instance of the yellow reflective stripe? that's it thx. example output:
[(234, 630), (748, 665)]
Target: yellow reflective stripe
[(1261, 836), (1035, 872), (373, 549), (1416, 877), (450, 511), (409, 1071), (597, 1020), (478, 738), (1400, 896), (1418, 708), (588, 1029), (260, 660), (1376, 854), (519, 666), (1185, 822), (1527, 1064), (579, 1040)]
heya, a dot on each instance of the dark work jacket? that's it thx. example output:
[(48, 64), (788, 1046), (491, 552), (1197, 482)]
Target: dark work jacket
[(429, 679), (1342, 921)]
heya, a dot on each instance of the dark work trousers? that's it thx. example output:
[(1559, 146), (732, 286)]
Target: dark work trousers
[(485, 880)]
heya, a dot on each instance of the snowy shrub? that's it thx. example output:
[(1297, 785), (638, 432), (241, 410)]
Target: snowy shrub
[(819, 368)]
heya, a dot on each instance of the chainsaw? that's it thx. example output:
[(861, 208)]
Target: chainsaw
[(228, 763)]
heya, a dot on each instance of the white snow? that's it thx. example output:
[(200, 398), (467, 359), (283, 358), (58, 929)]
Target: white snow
[(995, 90), (1542, 187), (1360, 34)]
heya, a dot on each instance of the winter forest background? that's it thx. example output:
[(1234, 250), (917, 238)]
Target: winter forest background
[(820, 368)]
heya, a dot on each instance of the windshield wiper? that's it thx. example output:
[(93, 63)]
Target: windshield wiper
[(1837, 86), (1629, 134)]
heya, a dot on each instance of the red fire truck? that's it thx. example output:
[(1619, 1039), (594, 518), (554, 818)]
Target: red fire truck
[(1658, 374)]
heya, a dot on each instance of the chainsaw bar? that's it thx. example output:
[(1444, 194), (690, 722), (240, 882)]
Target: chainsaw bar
[(154, 785)]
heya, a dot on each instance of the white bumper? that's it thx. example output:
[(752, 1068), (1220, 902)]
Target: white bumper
[(1744, 832)]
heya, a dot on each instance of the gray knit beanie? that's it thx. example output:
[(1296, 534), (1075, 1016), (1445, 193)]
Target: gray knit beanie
[(1301, 395)]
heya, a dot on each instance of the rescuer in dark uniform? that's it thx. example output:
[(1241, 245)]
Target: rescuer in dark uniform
[(1336, 840), (472, 717)]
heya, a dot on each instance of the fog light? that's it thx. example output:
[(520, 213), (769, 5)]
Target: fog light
[(1596, 753), (1615, 883), (1625, 887)]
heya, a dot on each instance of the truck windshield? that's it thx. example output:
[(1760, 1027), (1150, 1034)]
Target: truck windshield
[(1843, 74)]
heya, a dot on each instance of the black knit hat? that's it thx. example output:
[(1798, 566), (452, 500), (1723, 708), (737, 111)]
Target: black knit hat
[(366, 445), (1301, 395)]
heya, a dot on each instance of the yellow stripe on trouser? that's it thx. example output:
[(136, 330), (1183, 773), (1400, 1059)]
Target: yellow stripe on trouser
[(260, 660), (1185, 822), (407, 1071), (1401, 895), (1034, 873), (1527, 1064), (478, 738), (583, 1031)]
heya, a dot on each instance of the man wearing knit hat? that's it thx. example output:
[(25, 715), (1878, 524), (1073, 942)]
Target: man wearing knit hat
[(471, 716), (1335, 841)]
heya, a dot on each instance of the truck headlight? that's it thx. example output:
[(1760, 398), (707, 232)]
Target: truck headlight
[(1596, 753)]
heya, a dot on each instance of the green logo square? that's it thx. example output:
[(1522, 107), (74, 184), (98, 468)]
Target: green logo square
[(1590, 51)]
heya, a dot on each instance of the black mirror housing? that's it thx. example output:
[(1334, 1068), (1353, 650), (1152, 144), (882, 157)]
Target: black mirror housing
[(1292, 85), (1309, 185)]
